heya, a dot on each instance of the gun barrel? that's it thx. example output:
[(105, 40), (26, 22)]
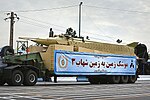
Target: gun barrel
[(27, 38), (46, 42)]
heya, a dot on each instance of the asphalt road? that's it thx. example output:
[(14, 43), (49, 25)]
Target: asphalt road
[(77, 91)]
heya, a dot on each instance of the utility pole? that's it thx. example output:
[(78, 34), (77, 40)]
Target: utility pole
[(80, 18), (12, 17)]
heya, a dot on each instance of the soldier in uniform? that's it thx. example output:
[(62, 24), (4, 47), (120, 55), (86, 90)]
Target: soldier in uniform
[(51, 33)]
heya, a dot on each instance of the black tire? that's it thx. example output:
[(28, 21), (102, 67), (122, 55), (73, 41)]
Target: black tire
[(132, 79), (124, 79), (30, 78), (93, 80), (115, 79), (2, 82), (16, 78), (103, 79), (7, 50)]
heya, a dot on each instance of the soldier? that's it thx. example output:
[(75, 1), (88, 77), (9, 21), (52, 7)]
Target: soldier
[(74, 34), (69, 31), (51, 33)]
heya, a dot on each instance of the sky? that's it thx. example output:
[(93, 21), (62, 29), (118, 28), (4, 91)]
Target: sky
[(102, 20)]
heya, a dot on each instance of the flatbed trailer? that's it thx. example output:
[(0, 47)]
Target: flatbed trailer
[(98, 68)]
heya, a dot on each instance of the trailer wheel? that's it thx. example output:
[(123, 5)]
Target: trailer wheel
[(124, 79), (132, 79), (114, 79), (2, 82), (7, 50), (30, 78), (103, 79), (93, 80), (16, 78)]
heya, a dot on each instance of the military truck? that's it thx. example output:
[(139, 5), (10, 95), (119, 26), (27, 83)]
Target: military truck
[(65, 55)]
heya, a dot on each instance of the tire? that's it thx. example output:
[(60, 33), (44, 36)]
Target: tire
[(114, 79), (124, 79), (30, 78), (93, 80), (103, 79), (7, 50), (16, 78), (132, 79), (2, 82)]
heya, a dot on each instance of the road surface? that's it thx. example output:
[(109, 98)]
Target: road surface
[(77, 91)]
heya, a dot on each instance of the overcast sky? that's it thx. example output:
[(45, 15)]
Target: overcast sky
[(103, 20)]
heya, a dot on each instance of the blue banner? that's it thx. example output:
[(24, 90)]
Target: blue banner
[(79, 63)]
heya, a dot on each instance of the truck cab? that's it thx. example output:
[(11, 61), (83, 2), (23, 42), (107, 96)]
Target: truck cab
[(16, 70)]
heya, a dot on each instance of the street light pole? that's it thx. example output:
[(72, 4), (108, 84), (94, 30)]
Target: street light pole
[(11, 29), (80, 18), (12, 17)]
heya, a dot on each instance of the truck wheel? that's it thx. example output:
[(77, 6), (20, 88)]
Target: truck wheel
[(2, 82), (103, 79), (114, 79), (124, 79), (132, 79), (93, 80), (7, 50), (30, 78), (16, 78)]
